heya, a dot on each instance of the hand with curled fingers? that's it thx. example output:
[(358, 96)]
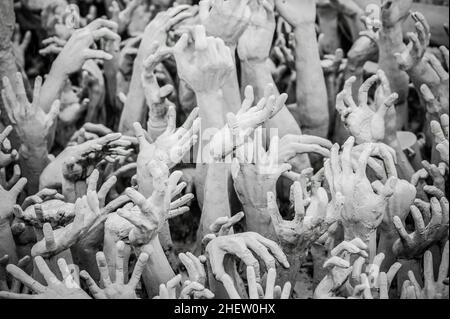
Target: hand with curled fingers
[(292, 145), (225, 19), (151, 214), (242, 124), (78, 48), (78, 161), (440, 132), (239, 245), (256, 172), (382, 160), (194, 266), (339, 268), (16, 285), (87, 213), (440, 88), (418, 43), (430, 227), (68, 288), (170, 147), (364, 203), (205, 64), (368, 281), (53, 46), (20, 44), (121, 288), (194, 286), (432, 289), (372, 22), (310, 222), (437, 173), (366, 122), (160, 25), (255, 290)]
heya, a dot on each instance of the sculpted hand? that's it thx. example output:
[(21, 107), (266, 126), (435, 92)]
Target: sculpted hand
[(171, 146), (225, 19), (239, 245), (297, 12), (78, 161), (365, 203), (339, 268), (414, 244), (87, 212), (150, 214), (10, 156), (394, 11), (418, 43), (256, 174), (88, 132), (190, 290), (16, 285), (308, 224), (123, 18), (245, 122), (31, 124), (435, 172), (364, 122), (399, 204), (54, 45), (255, 290), (441, 134), (194, 267), (256, 41), (8, 199), (78, 48), (55, 289), (118, 289), (205, 64), (433, 289), (156, 96)]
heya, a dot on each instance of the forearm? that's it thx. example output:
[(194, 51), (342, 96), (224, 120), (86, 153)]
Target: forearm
[(157, 271), (257, 74), (216, 199), (52, 87), (134, 106), (33, 161), (7, 244), (311, 90)]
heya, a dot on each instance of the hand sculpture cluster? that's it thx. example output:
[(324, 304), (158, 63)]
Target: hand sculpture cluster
[(237, 149)]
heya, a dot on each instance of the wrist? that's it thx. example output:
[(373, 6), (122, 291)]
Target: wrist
[(300, 27)]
